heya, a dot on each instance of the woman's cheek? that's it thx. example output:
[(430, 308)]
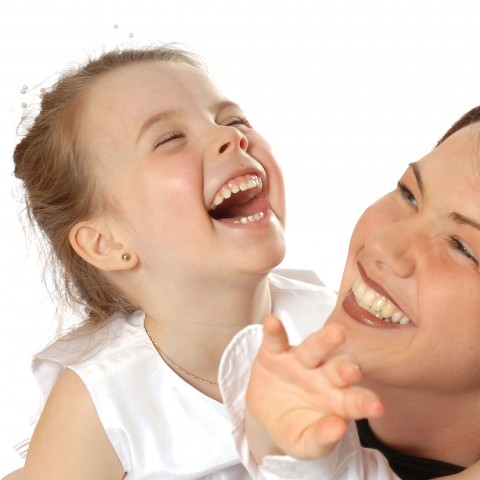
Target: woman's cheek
[(382, 214)]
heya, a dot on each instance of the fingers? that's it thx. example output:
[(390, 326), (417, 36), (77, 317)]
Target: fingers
[(340, 371), (361, 403), (320, 438), (314, 350), (328, 431), (352, 402), (275, 337)]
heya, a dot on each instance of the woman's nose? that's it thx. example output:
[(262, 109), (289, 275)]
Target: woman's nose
[(228, 139), (396, 247)]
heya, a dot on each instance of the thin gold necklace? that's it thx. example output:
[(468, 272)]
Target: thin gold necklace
[(176, 365)]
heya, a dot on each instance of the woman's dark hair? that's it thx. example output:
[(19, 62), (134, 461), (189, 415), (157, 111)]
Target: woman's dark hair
[(467, 119)]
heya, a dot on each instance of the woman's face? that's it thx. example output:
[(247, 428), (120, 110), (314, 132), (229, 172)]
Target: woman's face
[(196, 189), (414, 259)]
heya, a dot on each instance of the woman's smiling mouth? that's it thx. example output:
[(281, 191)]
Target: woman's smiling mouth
[(376, 304)]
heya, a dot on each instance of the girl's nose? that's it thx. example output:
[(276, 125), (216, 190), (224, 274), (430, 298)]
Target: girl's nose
[(228, 139)]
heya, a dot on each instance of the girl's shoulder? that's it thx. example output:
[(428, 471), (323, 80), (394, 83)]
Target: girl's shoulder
[(82, 345), (91, 355), (70, 428)]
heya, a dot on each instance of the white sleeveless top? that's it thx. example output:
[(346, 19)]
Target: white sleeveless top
[(159, 425)]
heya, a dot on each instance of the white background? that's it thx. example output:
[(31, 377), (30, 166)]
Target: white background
[(347, 92)]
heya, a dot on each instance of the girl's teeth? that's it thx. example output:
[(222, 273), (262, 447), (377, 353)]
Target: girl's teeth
[(243, 183), (377, 304), (226, 192), (251, 218)]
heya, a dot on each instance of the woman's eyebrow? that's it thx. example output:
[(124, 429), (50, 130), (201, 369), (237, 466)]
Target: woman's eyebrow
[(418, 175), (455, 216), (463, 220)]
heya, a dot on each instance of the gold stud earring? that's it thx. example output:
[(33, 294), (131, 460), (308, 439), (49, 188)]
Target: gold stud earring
[(126, 257)]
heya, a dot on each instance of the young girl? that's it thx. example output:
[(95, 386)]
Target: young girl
[(164, 210), (408, 312)]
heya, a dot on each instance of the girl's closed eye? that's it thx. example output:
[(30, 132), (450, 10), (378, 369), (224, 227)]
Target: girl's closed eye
[(168, 138), (237, 120), (463, 249), (407, 194)]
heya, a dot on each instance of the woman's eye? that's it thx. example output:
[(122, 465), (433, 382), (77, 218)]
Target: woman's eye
[(168, 138), (463, 249), (231, 122), (407, 194)]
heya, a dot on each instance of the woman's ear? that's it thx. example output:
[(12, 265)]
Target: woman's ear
[(95, 243)]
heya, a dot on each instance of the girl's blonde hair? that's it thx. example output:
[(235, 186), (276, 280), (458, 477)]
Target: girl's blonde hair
[(57, 172)]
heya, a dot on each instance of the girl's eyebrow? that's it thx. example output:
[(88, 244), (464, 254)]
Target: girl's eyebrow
[(161, 116), (155, 118), (224, 104)]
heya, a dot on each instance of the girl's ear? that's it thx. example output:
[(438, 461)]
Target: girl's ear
[(95, 243)]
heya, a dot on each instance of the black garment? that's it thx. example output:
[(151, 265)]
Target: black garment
[(405, 466)]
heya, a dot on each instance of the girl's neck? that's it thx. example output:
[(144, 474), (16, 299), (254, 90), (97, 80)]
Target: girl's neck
[(194, 326), (208, 305), (438, 426)]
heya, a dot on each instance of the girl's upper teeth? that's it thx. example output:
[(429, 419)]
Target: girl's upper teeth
[(235, 185), (376, 304)]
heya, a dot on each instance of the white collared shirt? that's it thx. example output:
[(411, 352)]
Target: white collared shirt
[(159, 425)]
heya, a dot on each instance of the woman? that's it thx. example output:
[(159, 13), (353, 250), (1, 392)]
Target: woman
[(409, 307)]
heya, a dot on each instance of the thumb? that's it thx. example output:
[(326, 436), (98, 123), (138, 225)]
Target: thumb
[(275, 338)]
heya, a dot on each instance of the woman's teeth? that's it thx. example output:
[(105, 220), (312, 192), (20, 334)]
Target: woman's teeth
[(377, 304)]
